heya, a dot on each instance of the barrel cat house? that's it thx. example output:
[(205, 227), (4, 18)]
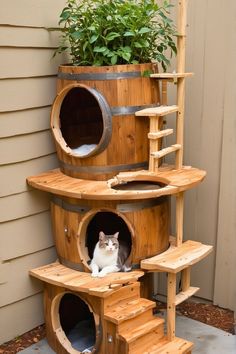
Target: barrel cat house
[(77, 225), (93, 119), (108, 129)]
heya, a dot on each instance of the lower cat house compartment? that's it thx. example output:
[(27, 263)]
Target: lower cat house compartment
[(143, 227), (74, 322)]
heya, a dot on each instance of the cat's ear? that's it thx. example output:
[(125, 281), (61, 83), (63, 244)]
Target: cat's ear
[(116, 235), (101, 235)]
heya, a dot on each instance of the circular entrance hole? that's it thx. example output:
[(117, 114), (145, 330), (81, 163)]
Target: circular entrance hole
[(108, 222), (84, 120), (77, 323), (138, 185)]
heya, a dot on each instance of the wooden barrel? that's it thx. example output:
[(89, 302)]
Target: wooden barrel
[(96, 132), (67, 316), (143, 225)]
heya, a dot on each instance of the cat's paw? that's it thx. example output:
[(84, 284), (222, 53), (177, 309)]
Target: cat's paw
[(94, 274), (101, 275)]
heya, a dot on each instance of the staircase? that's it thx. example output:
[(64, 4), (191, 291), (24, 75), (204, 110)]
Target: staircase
[(139, 331), (127, 320)]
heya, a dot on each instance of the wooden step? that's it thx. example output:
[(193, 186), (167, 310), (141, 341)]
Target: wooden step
[(165, 151), (160, 134), (184, 295), (157, 111), (176, 346), (58, 274), (170, 76), (131, 309), (177, 258), (141, 330), (145, 337)]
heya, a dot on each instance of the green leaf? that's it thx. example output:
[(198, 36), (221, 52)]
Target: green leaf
[(129, 34), (147, 73), (99, 49), (77, 34), (112, 35), (144, 30), (114, 59), (93, 38)]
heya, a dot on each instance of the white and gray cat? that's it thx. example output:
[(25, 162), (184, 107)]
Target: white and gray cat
[(109, 256)]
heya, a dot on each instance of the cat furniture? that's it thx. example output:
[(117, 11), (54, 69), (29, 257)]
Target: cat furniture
[(121, 184)]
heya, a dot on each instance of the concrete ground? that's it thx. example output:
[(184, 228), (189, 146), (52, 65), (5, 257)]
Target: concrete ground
[(206, 339)]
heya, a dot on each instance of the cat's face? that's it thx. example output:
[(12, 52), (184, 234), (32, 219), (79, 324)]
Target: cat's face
[(108, 242)]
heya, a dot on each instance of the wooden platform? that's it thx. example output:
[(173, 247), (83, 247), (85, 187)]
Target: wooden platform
[(174, 181), (57, 274), (176, 259), (176, 346), (159, 111)]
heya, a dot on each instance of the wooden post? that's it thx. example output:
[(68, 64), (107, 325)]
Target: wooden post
[(154, 127), (171, 293), (185, 279), (181, 43), (179, 218)]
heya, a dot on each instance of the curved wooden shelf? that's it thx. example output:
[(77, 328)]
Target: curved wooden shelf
[(174, 181), (59, 275), (176, 259)]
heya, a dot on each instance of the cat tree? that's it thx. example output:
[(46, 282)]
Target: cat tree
[(122, 112)]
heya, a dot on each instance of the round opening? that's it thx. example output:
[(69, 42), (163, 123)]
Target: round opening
[(81, 121), (138, 185), (109, 223), (77, 324)]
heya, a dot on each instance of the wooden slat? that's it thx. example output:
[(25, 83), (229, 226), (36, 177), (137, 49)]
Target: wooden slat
[(179, 212), (171, 294), (137, 332), (184, 295), (177, 345), (60, 275), (170, 76), (177, 258), (131, 309), (57, 183), (166, 151), (160, 134), (157, 111)]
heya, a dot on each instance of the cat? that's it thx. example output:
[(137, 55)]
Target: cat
[(109, 256)]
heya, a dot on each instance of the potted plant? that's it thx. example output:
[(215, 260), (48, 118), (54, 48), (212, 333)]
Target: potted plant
[(114, 45), (110, 32)]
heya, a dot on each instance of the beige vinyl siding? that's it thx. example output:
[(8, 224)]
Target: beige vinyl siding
[(28, 88), (20, 316), (13, 176), (33, 233), (210, 144), (24, 121), (225, 279)]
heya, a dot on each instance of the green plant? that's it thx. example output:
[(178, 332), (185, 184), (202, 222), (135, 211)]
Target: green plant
[(109, 32)]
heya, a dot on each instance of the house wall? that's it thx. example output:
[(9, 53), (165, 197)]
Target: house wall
[(210, 142), (27, 85), (27, 82)]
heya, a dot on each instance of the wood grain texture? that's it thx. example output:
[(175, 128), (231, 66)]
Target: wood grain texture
[(175, 180)]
